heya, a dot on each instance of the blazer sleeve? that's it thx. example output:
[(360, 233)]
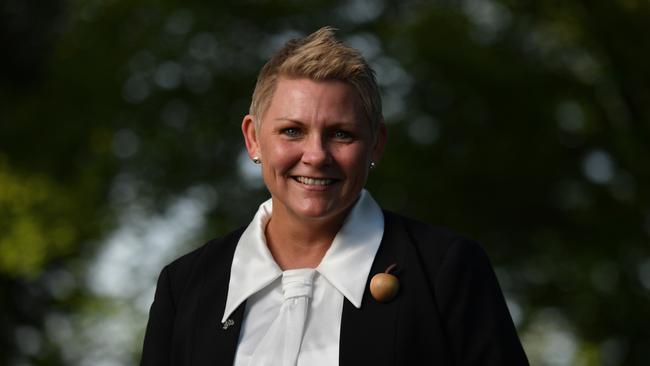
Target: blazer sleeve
[(477, 320), (158, 336)]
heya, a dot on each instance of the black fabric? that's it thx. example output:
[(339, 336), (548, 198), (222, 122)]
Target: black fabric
[(449, 310)]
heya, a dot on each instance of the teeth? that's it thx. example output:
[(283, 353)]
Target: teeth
[(314, 181)]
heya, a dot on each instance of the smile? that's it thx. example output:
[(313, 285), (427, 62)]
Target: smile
[(314, 181)]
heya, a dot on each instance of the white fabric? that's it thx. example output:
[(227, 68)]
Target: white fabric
[(281, 343), (257, 279)]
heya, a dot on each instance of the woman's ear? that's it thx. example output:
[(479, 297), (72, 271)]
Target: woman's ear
[(249, 129), (380, 142)]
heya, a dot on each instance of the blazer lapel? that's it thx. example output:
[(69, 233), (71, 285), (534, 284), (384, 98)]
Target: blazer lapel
[(214, 343), (368, 333)]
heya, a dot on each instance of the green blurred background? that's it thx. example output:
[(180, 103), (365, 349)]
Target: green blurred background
[(524, 124)]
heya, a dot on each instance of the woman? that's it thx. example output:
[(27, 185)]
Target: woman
[(302, 283)]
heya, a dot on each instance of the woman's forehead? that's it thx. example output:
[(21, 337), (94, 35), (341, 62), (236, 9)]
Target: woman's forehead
[(305, 100)]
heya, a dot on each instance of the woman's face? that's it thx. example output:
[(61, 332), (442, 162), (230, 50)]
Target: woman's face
[(315, 145)]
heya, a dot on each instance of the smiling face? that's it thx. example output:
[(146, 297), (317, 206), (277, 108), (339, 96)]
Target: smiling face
[(315, 145)]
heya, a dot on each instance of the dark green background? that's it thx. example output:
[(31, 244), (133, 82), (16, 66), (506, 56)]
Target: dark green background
[(524, 124)]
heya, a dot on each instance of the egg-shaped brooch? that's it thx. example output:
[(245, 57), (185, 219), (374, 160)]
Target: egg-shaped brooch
[(384, 286)]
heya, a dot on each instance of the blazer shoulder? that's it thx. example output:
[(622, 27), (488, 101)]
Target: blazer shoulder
[(182, 268), (433, 243), (421, 228), (468, 298)]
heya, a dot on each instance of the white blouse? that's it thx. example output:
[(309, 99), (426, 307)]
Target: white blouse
[(256, 278)]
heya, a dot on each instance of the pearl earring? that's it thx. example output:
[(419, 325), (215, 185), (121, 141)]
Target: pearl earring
[(257, 160)]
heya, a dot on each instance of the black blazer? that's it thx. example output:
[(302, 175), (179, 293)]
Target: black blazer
[(449, 309)]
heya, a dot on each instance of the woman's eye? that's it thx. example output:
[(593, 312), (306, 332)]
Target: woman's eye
[(342, 135), (291, 132)]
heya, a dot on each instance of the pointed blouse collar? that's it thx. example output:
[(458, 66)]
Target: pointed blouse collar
[(346, 265)]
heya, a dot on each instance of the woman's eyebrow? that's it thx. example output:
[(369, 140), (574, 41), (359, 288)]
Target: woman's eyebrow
[(330, 125), (288, 119)]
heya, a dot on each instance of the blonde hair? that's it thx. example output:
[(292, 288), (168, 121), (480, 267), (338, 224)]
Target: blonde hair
[(319, 56)]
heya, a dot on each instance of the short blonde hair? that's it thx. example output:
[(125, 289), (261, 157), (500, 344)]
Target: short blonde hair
[(319, 56)]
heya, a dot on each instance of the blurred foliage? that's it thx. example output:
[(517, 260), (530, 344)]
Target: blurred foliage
[(28, 242), (525, 124)]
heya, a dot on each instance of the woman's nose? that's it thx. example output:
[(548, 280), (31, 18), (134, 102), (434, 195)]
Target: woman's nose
[(316, 152)]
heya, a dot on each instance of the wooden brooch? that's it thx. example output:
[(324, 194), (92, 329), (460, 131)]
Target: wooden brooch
[(384, 286)]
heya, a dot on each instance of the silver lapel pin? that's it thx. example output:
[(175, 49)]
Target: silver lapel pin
[(227, 324)]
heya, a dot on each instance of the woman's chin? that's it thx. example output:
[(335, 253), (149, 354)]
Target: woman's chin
[(316, 210), (312, 207), (313, 213)]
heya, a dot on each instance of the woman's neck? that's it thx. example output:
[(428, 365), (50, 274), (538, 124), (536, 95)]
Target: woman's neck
[(296, 243)]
